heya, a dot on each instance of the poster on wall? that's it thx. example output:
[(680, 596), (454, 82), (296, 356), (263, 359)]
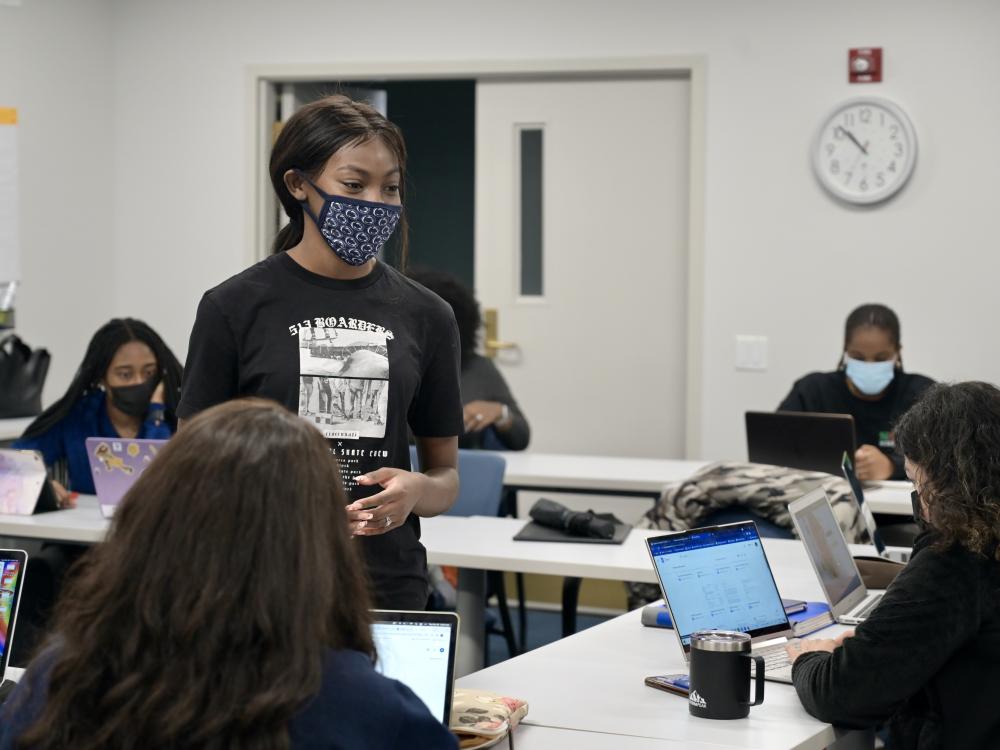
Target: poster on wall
[(10, 269)]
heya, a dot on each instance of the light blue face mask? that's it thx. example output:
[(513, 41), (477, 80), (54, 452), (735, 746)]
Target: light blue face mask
[(871, 378)]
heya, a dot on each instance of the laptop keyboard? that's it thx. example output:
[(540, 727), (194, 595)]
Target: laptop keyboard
[(775, 657), (867, 608)]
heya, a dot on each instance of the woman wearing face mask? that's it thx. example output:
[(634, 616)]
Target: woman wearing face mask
[(927, 659), (870, 385), (127, 386), (382, 350)]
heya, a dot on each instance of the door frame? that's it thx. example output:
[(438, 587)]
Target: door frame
[(260, 201)]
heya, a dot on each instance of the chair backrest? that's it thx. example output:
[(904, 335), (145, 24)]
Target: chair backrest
[(480, 477)]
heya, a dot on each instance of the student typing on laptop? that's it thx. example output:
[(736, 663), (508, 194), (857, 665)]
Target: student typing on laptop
[(927, 659), (870, 385), (227, 608)]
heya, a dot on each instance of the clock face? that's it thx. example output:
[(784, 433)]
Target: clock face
[(865, 150)]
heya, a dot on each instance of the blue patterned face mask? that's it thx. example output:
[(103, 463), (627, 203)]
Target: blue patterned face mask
[(355, 230), (871, 378)]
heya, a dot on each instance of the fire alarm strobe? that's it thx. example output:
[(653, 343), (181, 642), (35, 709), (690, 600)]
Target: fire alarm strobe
[(864, 65)]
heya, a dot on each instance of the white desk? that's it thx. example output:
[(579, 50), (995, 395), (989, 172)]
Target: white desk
[(12, 429), (643, 477), (592, 682), (82, 524)]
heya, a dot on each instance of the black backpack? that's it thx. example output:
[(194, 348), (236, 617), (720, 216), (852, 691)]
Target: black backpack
[(22, 375)]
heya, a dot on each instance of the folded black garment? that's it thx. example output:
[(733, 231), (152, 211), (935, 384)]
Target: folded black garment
[(575, 523)]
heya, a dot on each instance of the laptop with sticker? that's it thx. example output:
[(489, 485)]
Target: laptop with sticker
[(115, 464)]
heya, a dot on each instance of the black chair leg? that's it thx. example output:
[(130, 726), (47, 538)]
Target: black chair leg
[(522, 610), (570, 599), (497, 585)]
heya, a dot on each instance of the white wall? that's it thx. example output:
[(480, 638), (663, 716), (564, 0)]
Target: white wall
[(782, 260), (56, 68)]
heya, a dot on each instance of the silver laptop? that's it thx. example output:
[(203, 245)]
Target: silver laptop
[(897, 555), (719, 577), (850, 602), (418, 649), (13, 563)]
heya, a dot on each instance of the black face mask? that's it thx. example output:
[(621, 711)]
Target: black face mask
[(918, 513), (134, 399)]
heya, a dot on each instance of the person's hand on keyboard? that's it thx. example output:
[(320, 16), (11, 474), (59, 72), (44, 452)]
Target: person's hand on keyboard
[(795, 649)]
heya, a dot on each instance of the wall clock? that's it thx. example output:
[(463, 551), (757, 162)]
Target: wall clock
[(865, 150)]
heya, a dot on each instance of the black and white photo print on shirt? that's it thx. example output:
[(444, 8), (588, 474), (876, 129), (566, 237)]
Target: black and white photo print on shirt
[(344, 382)]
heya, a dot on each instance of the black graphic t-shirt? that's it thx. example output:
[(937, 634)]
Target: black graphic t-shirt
[(361, 359)]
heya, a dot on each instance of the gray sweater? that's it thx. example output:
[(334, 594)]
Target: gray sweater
[(482, 381)]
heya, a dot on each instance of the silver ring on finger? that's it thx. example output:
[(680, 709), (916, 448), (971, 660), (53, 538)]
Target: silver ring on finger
[(388, 521)]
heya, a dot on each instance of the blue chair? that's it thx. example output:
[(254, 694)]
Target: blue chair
[(480, 491)]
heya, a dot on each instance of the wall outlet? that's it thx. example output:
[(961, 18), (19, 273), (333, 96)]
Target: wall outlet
[(751, 353)]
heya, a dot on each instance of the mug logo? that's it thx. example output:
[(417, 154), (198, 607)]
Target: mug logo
[(696, 700), (887, 439)]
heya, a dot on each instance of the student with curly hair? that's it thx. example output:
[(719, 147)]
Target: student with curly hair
[(927, 659), (227, 609)]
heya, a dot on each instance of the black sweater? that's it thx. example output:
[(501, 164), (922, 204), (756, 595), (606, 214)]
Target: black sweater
[(827, 392), (927, 659)]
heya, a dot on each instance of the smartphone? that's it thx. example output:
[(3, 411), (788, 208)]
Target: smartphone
[(679, 684)]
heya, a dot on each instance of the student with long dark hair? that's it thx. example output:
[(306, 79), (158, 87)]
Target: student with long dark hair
[(870, 385), (927, 659), (227, 609), (382, 350), (493, 418), (128, 385)]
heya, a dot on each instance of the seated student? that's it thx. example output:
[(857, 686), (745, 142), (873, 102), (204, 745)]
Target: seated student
[(928, 657), (127, 386), (870, 385), (489, 407), (227, 608)]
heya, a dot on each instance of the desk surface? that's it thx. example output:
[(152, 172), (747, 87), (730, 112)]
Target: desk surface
[(12, 429), (593, 682)]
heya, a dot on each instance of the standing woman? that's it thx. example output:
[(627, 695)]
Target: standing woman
[(338, 168), (870, 385)]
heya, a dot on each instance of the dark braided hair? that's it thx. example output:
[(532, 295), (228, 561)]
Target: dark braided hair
[(953, 434), (877, 316)]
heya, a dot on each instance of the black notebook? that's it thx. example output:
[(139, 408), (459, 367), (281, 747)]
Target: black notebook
[(535, 532)]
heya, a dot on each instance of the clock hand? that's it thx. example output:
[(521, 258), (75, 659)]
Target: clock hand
[(854, 140)]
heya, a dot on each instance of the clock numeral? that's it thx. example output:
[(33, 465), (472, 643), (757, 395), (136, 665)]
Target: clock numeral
[(830, 148), (879, 180), (881, 119), (835, 167), (892, 166), (894, 132), (898, 150), (847, 177), (865, 115), (863, 185), (848, 119), (838, 133)]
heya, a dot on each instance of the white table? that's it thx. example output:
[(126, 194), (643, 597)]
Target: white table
[(643, 477), (592, 682), (12, 429)]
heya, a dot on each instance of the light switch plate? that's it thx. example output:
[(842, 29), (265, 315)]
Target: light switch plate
[(751, 353)]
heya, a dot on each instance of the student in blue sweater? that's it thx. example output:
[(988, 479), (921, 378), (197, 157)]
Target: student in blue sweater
[(228, 608), (127, 386)]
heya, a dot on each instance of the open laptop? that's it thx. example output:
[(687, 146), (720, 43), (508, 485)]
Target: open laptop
[(718, 577), (418, 649), (12, 566), (799, 440), (850, 601), (115, 464), (24, 484), (897, 555)]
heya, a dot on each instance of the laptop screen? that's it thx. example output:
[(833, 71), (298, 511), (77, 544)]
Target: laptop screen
[(12, 564), (418, 649), (847, 467), (825, 543), (718, 577)]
